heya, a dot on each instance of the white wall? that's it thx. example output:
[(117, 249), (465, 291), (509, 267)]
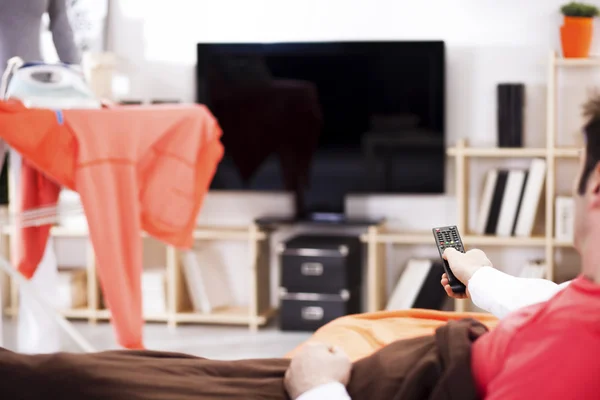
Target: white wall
[(488, 41)]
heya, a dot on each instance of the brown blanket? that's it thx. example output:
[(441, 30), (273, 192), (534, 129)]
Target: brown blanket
[(432, 367)]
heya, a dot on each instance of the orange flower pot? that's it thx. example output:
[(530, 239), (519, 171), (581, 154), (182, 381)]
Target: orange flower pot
[(576, 37)]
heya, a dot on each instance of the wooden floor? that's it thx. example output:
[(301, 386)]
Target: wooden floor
[(216, 342)]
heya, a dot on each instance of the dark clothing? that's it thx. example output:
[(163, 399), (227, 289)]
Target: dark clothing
[(433, 367)]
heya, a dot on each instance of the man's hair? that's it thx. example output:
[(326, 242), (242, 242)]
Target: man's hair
[(591, 111)]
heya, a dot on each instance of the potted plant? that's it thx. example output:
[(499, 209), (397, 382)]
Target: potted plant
[(576, 31)]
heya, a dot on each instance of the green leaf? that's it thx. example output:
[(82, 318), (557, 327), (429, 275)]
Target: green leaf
[(576, 9)]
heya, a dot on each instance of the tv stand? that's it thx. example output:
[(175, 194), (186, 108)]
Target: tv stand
[(310, 216), (327, 217), (336, 219), (375, 250)]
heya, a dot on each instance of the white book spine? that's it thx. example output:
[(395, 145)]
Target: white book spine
[(510, 202), (531, 198), (486, 201), (564, 219)]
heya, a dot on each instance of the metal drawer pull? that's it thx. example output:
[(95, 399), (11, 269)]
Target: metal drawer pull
[(312, 269), (312, 313)]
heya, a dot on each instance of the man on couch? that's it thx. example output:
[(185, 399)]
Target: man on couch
[(546, 345)]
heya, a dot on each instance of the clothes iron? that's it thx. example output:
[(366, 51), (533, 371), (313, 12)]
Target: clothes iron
[(45, 85)]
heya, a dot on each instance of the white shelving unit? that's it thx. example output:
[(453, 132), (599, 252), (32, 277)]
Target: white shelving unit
[(256, 314), (379, 236)]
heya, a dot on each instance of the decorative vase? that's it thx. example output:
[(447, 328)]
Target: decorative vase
[(576, 37)]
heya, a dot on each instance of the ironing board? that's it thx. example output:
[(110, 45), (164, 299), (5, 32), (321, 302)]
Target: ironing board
[(50, 86), (135, 168)]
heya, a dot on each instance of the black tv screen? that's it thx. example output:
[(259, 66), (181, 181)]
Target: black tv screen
[(327, 119)]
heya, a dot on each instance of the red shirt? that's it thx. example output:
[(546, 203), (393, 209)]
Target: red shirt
[(549, 350)]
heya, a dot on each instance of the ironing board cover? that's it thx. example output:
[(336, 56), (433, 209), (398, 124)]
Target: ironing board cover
[(136, 168)]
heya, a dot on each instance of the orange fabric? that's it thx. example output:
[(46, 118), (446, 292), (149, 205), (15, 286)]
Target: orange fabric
[(36, 191), (362, 334), (135, 168)]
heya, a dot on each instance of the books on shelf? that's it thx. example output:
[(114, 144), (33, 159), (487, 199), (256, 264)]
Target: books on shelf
[(419, 286), (154, 291), (72, 288), (510, 200), (534, 269), (207, 283)]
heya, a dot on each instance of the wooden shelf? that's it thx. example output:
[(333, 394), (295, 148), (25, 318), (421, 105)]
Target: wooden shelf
[(76, 313), (200, 233), (232, 315), (513, 152), (566, 152), (497, 152), (577, 62), (56, 231), (462, 154), (401, 238), (490, 240), (256, 314), (550, 152), (469, 240), (562, 243), (229, 316), (225, 233)]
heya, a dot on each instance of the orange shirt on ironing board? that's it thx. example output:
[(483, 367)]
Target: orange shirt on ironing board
[(135, 168), (549, 350)]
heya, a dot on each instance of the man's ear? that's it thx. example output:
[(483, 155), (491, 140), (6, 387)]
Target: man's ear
[(595, 186)]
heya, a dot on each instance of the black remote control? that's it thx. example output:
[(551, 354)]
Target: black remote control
[(447, 236)]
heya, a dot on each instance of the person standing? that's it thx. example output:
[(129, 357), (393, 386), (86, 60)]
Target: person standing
[(20, 36)]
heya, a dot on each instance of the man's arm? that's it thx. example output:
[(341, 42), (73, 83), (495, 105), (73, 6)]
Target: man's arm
[(318, 372), (500, 293), (62, 33), (493, 290), (328, 391)]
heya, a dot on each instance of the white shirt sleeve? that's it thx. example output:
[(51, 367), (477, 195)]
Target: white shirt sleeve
[(329, 391), (500, 293)]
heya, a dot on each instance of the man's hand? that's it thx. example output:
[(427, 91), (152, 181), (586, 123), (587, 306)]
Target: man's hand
[(463, 265), (314, 365)]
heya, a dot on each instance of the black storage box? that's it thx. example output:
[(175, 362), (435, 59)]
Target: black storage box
[(320, 264), (310, 311), (320, 280)]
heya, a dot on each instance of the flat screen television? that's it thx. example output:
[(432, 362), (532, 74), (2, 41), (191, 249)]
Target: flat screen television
[(325, 120)]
